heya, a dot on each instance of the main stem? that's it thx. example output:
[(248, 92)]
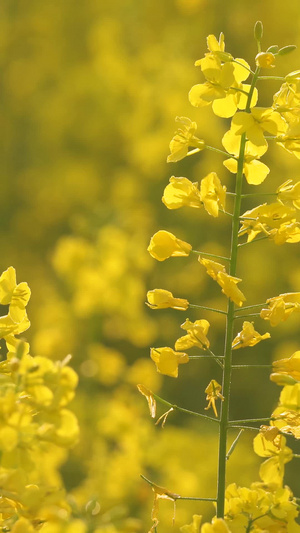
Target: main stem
[(230, 320)]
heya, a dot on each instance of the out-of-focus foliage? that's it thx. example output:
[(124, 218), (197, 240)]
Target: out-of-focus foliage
[(90, 91)]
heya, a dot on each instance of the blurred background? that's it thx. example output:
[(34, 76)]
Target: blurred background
[(90, 91)]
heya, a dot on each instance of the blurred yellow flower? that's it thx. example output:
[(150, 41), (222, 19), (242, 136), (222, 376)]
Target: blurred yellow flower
[(213, 392), (248, 336), (181, 192), (194, 527), (164, 244), (150, 399), (212, 194), (183, 139), (167, 360), (196, 335), (17, 296), (163, 299)]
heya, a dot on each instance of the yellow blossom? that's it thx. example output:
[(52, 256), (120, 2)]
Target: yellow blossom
[(150, 399), (286, 233), (289, 366), (162, 299), (281, 307), (254, 124), (288, 421), (218, 525), (270, 219), (223, 86), (289, 192), (183, 139), (196, 335), (17, 296), (227, 283), (265, 60), (212, 194), (164, 494), (290, 139), (213, 392), (254, 170), (248, 336), (167, 360), (181, 192), (164, 244)]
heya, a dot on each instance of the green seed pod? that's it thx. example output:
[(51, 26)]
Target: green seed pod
[(287, 49), (258, 30)]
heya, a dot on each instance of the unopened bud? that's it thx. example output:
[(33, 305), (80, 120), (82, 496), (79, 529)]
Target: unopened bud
[(282, 379), (258, 30), (265, 60), (287, 50)]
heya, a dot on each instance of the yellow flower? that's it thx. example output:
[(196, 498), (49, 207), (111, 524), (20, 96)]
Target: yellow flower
[(265, 60), (254, 124), (272, 470), (183, 139), (248, 336), (227, 283), (218, 525), (286, 233), (287, 101), (290, 192), (281, 307), (17, 296), (162, 299), (181, 192), (196, 335), (230, 289), (167, 360), (212, 267), (213, 392), (267, 217), (150, 399), (289, 366), (164, 244), (255, 171), (212, 194), (290, 141), (288, 421)]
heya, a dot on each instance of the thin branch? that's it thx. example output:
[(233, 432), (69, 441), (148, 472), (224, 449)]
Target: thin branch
[(251, 366), (279, 78), (213, 149), (181, 409), (246, 316), (250, 307), (259, 194), (207, 308), (211, 255), (250, 420), (177, 496), (254, 240)]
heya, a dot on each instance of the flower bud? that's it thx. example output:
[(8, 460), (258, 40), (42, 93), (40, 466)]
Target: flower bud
[(265, 60)]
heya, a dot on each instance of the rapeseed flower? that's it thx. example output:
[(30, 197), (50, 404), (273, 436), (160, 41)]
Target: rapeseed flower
[(162, 299), (212, 194), (281, 307), (167, 360), (289, 366), (227, 282), (289, 192), (254, 170), (184, 139), (248, 336), (254, 124), (164, 244), (196, 335), (265, 60), (213, 392), (181, 192)]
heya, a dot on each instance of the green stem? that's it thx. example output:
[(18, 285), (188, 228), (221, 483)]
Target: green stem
[(250, 307), (207, 308), (279, 78), (211, 255), (254, 240), (251, 366), (248, 195), (247, 316), (177, 496), (250, 420), (213, 149), (224, 418), (187, 411)]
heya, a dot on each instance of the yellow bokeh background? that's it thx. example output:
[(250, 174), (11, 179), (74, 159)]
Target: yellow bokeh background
[(90, 91)]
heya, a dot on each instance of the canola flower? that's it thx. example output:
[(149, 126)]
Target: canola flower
[(267, 505)]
